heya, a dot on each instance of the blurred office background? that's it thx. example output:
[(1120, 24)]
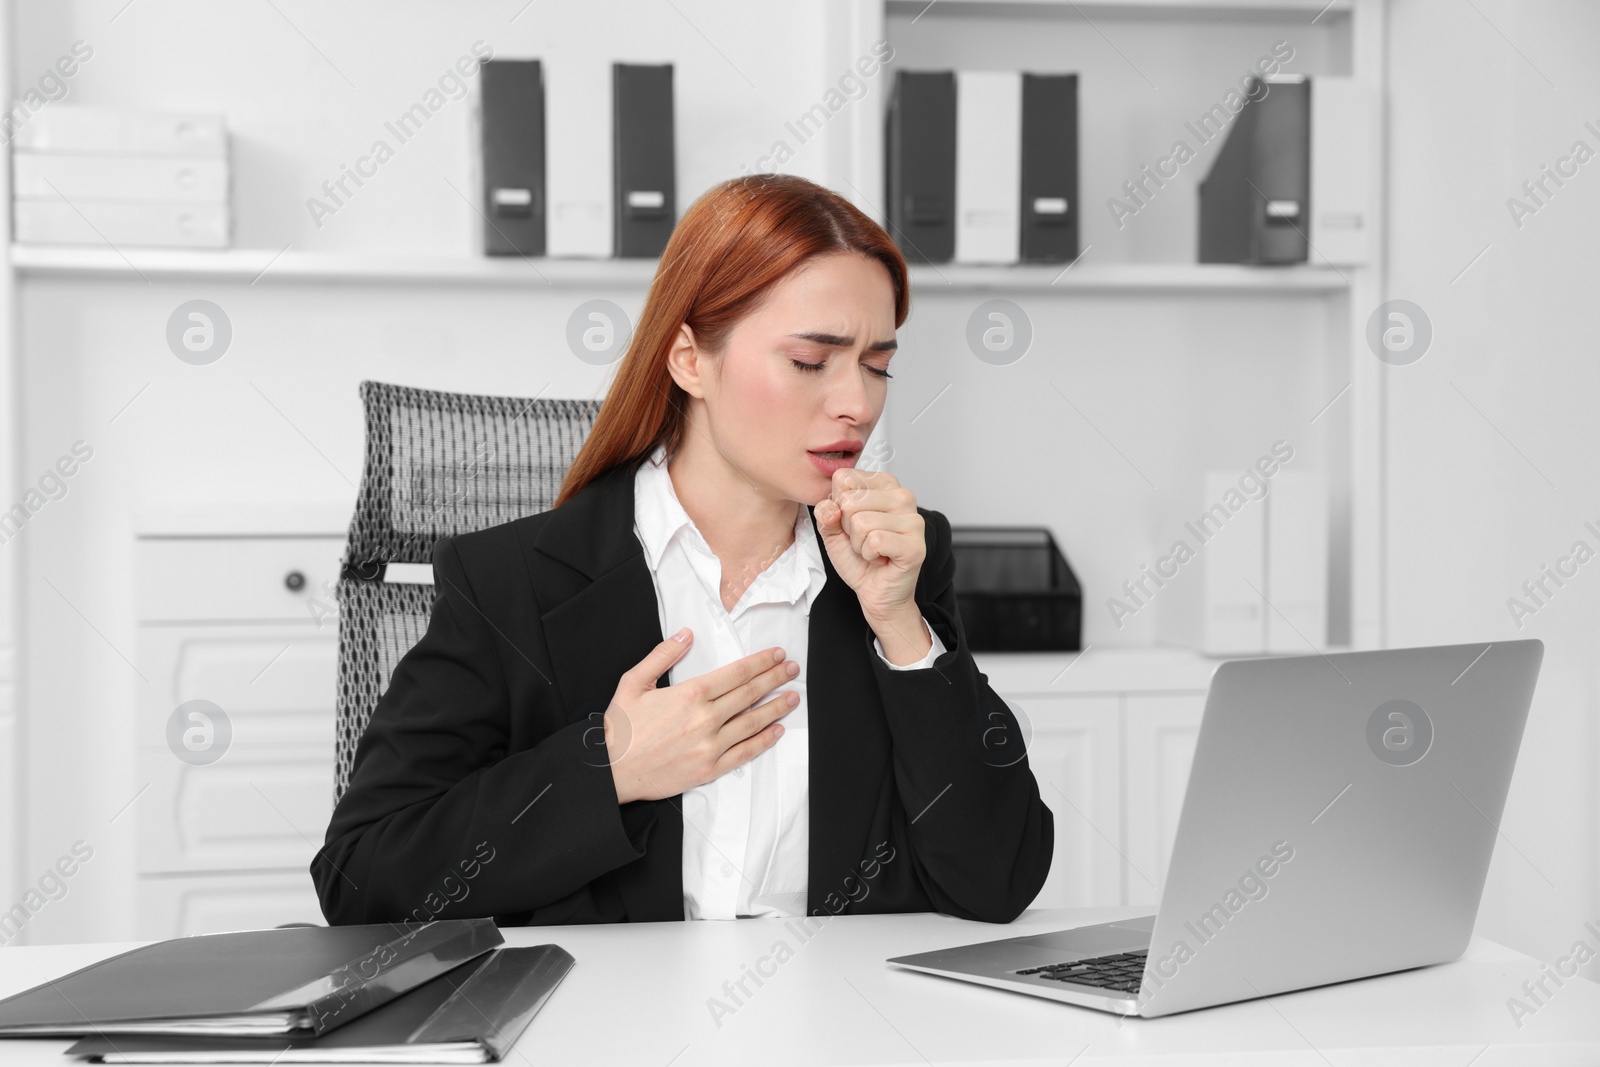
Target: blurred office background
[(186, 555)]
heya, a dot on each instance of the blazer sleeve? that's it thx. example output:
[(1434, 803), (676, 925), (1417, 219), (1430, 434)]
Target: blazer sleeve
[(439, 821), (981, 839)]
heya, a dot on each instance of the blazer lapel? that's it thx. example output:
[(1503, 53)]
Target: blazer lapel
[(604, 621)]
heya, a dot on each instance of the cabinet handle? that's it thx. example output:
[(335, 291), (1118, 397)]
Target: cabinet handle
[(294, 581)]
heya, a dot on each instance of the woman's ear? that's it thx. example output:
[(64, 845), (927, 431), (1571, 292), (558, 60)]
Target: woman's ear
[(686, 363)]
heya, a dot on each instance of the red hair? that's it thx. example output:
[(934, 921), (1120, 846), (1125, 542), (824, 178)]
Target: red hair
[(734, 243)]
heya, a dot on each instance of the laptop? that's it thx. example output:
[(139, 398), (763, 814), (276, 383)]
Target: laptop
[(1338, 823)]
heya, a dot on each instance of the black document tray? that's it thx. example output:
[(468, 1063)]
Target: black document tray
[(1015, 590)]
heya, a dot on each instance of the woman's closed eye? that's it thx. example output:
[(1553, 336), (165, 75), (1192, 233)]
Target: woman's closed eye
[(804, 366)]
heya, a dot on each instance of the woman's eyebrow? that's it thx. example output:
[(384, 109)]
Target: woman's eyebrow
[(833, 340)]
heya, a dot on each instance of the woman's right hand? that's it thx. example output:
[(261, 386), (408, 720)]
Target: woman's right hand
[(662, 742)]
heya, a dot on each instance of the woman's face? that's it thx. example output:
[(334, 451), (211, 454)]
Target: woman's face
[(800, 373)]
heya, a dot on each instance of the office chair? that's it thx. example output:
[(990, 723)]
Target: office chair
[(437, 464)]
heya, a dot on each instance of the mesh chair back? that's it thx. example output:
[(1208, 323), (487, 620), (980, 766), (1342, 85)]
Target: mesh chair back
[(437, 464)]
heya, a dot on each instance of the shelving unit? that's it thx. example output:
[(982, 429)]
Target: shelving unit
[(1348, 34), (254, 265), (264, 265), (1154, 278), (1155, 8)]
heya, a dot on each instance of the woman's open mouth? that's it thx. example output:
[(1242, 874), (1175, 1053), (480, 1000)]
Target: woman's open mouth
[(833, 459)]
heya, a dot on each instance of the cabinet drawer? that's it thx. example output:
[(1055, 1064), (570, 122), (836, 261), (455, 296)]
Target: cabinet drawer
[(256, 807), (275, 682), (236, 578)]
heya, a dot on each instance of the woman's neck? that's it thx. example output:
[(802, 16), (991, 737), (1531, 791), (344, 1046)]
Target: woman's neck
[(741, 521)]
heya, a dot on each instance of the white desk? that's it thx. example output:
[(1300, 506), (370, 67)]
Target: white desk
[(638, 996)]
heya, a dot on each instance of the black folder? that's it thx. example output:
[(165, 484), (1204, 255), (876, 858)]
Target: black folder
[(920, 164), (472, 1014), (644, 192), (300, 980), (511, 123), (1049, 168), (1255, 203)]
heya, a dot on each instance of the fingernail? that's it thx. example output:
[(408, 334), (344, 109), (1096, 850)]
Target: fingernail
[(777, 654), (682, 636)]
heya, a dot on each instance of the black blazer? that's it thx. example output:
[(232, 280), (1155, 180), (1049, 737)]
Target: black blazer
[(481, 788)]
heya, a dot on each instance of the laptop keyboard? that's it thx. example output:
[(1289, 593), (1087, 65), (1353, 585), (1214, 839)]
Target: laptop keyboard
[(1120, 971)]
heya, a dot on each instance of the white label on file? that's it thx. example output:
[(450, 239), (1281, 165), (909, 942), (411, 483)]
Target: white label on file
[(513, 197), (1049, 205), (646, 198), (1283, 209)]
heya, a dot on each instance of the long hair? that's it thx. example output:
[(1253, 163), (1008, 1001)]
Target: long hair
[(734, 243)]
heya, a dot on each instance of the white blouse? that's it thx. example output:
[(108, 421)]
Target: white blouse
[(746, 835)]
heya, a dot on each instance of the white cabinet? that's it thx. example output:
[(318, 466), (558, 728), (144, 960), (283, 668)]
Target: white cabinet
[(1160, 731), (1075, 754), (236, 797), (1112, 741)]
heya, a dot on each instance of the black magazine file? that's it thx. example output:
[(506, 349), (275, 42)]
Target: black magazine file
[(1015, 590)]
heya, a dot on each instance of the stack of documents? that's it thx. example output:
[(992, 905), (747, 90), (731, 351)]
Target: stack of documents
[(446, 991), (110, 176)]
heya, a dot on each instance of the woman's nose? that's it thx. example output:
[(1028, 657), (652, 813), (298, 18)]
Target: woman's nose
[(849, 397)]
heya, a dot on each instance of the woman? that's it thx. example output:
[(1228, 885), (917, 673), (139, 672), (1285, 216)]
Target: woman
[(826, 742)]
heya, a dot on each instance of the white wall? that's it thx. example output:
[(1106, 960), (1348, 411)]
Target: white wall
[(1492, 435)]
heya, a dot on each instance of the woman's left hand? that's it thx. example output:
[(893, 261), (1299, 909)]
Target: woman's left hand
[(874, 535)]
